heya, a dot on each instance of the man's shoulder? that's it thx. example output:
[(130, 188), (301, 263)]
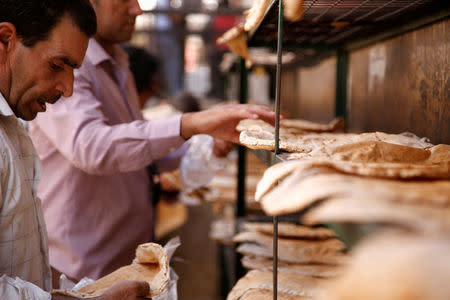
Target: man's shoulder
[(5, 146)]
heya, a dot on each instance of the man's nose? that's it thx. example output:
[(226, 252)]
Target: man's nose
[(135, 9), (65, 84)]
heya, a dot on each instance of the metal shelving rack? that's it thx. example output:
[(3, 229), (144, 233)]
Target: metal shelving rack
[(328, 27)]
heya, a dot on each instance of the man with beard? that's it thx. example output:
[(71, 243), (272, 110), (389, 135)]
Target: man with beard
[(41, 43), (95, 147)]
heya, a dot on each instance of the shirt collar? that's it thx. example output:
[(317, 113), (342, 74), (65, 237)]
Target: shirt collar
[(96, 54), (5, 109)]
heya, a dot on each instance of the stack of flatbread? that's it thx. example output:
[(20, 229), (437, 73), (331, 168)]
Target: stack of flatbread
[(312, 139), (370, 181), (257, 285), (395, 266), (306, 256), (299, 247), (225, 184), (150, 265)]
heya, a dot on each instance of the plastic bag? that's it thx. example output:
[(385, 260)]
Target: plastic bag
[(199, 165), (170, 292)]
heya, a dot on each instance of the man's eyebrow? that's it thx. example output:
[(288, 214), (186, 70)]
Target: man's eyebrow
[(69, 62)]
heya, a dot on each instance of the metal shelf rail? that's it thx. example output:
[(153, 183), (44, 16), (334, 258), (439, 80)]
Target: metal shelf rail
[(347, 24)]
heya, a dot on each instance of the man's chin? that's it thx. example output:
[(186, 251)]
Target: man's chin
[(28, 116)]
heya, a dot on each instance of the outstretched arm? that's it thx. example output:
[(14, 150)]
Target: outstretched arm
[(221, 122)]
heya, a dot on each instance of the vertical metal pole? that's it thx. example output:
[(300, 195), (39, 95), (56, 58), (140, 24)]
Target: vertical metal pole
[(240, 210), (341, 83), (277, 141), (278, 83), (242, 150)]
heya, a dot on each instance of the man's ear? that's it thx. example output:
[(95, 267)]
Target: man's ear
[(8, 35)]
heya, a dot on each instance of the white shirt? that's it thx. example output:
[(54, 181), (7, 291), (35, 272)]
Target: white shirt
[(24, 268)]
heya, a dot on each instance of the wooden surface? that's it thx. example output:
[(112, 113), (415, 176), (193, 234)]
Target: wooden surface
[(289, 92), (402, 84), (317, 90), (308, 93)]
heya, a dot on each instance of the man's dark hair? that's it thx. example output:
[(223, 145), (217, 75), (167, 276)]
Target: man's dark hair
[(143, 65), (35, 19)]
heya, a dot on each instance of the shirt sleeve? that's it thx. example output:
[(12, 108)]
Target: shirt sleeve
[(172, 161), (17, 289), (80, 131)]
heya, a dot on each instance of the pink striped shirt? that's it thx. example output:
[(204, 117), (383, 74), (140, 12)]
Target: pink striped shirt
[(94, 148)]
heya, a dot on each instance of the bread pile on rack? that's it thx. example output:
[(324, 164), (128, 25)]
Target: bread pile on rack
[(306, 257), (224, 185), (370, 181), (397, 182), (395, 266)]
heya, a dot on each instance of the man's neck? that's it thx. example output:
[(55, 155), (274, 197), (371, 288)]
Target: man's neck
[(107, 46), (5, 85)]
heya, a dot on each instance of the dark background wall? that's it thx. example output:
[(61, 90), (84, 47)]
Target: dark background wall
[(401, 84)]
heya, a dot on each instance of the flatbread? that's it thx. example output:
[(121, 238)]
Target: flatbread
[(263, 263), (439, 153), (290, 142), (150, 265), (301, 189), (395, 267), (290, 230), (304, 247), (293, 10), (222, 230), (319, 142), (236, 40), (298, 285), (309, 126), (255, 14), (273, 175), (363, 211), (293, 255), (254, 125), (368, 158), (290, 126), (375, 151), (262, 294)]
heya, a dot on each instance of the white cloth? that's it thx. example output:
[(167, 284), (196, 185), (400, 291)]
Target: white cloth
[(23, 235)]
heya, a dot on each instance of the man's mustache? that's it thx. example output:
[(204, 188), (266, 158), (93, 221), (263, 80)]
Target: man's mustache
[(50, 98)]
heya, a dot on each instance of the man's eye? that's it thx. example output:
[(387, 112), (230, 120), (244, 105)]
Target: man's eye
[(56, 67)]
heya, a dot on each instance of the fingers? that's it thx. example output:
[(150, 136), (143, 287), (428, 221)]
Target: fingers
[(142, 288), (251, 111)]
